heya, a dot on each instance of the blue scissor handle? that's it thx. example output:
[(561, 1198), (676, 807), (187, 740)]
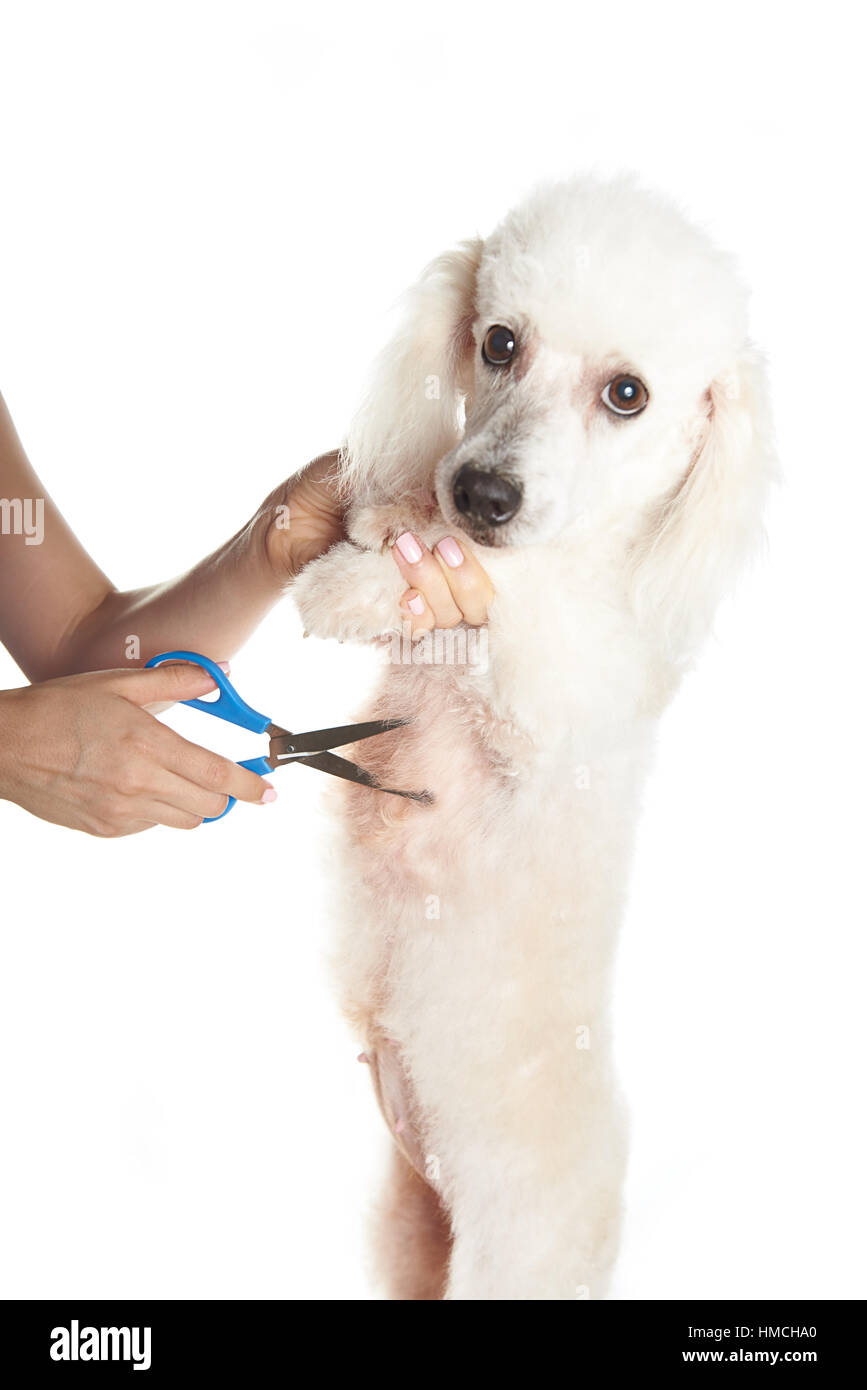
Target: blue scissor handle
[(228, 706)]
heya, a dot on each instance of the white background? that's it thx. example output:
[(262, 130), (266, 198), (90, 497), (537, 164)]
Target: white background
[(207, 211)]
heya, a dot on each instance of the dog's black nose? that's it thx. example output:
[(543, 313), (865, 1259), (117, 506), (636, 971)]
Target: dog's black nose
[(485, 496)]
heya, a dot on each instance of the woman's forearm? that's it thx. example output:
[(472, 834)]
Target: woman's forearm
[(61, 615), (216, 605), (212, 608)]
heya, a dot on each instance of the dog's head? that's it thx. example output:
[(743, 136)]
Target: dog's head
[(586, 369)]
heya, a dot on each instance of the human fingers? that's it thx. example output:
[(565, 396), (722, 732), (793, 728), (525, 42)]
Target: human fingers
[(424, 574), (211, 772), (468, 582)]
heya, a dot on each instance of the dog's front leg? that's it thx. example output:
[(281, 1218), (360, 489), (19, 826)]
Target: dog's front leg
[(350, 593)]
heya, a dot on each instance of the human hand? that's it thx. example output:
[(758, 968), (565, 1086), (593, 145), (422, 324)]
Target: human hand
[(306, 517), (84, 752), (448, 585)]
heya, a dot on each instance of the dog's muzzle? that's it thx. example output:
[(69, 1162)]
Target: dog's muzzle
[(485, 497)]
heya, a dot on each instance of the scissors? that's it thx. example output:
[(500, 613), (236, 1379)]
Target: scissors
[(311, 749)]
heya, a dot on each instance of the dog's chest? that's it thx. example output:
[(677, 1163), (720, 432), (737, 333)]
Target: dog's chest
[(563, 654)]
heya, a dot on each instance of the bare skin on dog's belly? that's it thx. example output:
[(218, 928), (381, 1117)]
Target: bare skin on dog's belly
[(396, 1099)]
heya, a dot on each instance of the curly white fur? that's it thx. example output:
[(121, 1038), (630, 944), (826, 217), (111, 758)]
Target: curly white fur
[(477, 936)]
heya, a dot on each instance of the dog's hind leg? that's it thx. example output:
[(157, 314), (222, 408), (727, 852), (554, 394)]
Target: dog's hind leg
[(412, 1241)]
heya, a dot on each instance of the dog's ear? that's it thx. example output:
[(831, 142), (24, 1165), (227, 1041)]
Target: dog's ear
[(412, 413), (700, 536)]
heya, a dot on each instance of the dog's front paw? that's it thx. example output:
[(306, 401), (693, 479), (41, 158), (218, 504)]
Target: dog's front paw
[(349, 593)]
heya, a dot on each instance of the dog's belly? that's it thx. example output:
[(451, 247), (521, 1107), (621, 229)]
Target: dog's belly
[(477, 934)]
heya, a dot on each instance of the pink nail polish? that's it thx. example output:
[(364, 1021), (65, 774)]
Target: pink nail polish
[(224, 666), (362, 1057), (409, 548), (416, 605), (451, 552), (268, 794)]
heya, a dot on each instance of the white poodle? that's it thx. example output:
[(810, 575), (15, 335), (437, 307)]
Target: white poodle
[(578, 395)]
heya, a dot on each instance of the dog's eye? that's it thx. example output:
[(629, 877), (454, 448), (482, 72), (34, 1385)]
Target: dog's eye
[(499, 346), (625, 395)]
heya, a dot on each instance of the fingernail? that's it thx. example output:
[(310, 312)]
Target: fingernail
[(409, 548), (362, 1057), (268, 794), (451, 552), (224, 666), (416, 605)]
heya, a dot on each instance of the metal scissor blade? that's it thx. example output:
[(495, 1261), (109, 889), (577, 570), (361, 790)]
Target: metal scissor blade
[(285, 746), (342, 767)]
